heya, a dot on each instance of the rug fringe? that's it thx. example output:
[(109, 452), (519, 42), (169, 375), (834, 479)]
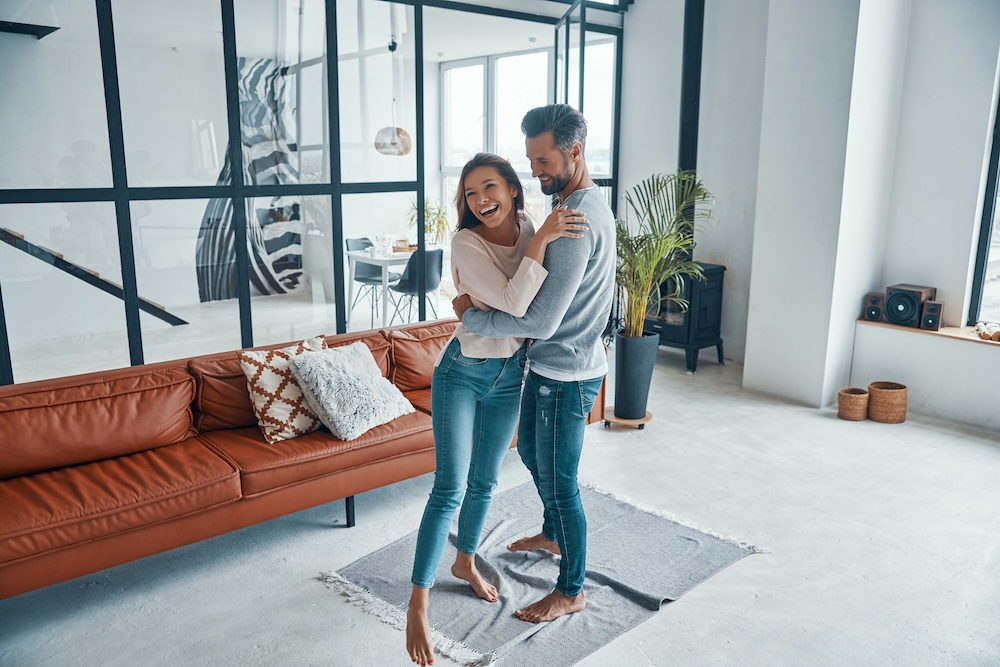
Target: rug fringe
[(752, 548), (392, 615)]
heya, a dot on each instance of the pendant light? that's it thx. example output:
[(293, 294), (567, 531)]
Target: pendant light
[(393, 140)]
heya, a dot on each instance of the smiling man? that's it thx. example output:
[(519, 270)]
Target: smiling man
[(566, 359)]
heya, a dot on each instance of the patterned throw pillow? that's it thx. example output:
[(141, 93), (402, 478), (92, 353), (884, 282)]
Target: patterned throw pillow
[(281, 411), (345, 388)]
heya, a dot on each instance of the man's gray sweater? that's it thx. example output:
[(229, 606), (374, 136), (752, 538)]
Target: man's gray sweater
[(571, 309)]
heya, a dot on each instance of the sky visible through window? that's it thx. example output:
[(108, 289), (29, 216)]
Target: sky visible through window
[(990, 310)]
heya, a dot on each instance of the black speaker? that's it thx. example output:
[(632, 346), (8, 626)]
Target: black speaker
[(903, 303), (930, 315), (873, 306)]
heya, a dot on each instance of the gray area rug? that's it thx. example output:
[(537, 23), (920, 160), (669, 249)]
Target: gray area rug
[(637, 559)]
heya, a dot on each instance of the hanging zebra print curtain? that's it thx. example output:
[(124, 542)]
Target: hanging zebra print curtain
[(274, 233)]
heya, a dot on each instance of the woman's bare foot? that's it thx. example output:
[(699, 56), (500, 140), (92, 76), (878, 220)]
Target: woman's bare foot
[(533, 543), (465, 568), (551, 607), (418, 630)]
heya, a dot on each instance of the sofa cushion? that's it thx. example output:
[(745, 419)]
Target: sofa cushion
[(345, 389), (50, 510), (267, 467), (223, 401), (281, 409), (52, 424), (420, 399), (414, 350)]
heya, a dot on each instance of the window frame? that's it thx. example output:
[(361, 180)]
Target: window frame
[(986, 223)]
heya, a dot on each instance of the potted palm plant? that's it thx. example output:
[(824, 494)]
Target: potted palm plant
[(654, 247)]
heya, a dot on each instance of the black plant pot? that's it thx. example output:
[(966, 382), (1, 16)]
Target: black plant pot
[(634, 357)]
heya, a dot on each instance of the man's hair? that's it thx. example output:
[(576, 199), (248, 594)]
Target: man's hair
[(466, 218), (568, 126)]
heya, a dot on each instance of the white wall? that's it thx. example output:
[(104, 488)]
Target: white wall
[(946, 113), (944, 128), (651, 86), (732, 90), (807, 96), (868, 174), (940, 372)]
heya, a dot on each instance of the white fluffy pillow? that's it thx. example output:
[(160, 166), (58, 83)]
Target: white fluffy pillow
[(345, 388)]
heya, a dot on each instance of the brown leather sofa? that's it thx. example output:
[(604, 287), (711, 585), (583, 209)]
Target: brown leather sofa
[(105, 468)]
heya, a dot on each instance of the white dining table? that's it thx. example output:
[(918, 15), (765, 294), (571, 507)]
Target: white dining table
[(384, 261)]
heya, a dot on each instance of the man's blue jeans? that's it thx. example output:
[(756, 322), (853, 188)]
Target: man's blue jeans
[(550, 441), (474, 405)]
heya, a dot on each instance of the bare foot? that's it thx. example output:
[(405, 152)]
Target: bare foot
[(533, 543), (418, 634), (551, 607), (465, 568)]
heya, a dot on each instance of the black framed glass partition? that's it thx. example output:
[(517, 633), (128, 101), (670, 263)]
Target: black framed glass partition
[(184, 182)]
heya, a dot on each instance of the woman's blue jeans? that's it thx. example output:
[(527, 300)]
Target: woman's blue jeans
[(474, 405), (550, 441)]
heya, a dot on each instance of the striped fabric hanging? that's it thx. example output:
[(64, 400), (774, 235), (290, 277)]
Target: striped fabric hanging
[(274, 233)]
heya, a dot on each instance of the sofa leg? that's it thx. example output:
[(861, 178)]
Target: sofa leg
[(349, 502)]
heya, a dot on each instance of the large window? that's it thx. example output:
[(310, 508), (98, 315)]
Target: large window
[(483, 102)]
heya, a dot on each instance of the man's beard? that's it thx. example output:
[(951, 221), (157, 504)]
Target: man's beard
[(557, 183)]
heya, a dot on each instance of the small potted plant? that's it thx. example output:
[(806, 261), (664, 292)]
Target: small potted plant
[(654, 247), (436, 221)]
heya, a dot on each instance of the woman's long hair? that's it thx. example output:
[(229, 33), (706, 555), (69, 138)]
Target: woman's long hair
[(466, 217)]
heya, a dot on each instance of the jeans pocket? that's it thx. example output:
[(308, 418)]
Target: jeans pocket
[(588, 394), (455, 352), (469, 361)]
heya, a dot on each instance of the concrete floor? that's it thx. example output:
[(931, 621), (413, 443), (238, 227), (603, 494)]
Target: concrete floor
[(884, 549)]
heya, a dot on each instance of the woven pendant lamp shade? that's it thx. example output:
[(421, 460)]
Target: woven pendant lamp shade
[(393, 141)]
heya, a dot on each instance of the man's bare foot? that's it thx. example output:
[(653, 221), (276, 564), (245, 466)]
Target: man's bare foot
[(418, 630), (533, 543), (465, 568), (551, 607)]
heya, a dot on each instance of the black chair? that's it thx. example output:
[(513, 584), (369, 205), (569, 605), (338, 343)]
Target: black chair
[(369, 275), (406, 288)]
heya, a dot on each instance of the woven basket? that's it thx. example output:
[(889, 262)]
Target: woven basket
[(852, 404), (887, 402)]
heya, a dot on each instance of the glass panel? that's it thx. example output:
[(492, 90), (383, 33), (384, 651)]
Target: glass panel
[(521, 85), (173, 91), (377, 99), (57, 263), (990, 309), (53, 125), (282, 93), (536, 204), (573, 76), (291, 268), (186, 268), (312, 111), (599, 100), (463, 113), (560, 69), (382, 220)]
